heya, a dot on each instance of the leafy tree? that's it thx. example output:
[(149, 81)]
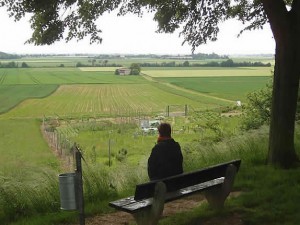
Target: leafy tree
[(227, 63), (79, 64), (257, 110), (135, 69), (186, 63), (117, 72), (24, 65), (199, 21)]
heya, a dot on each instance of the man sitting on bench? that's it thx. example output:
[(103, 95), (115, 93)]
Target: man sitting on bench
[(166, 157)]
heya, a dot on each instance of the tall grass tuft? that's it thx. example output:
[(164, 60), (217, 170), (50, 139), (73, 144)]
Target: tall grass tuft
[(22, 199), (250, 147)]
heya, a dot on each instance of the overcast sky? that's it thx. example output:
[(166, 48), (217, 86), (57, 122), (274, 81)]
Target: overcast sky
[(131, 34)]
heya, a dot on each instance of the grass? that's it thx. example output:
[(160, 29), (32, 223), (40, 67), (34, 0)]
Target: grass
[(269, 196), (24, 151), (97, 139), (232, 88)]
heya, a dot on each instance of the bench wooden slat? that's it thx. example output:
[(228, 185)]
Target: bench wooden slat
[(174, 183), (122, 202), (130, 205)]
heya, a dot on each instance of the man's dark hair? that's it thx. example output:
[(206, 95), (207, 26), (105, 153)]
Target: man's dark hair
[(164, 130)]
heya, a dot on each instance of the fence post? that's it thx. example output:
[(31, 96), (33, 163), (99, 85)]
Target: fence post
[(185, 110), (168, 111), (80, 200)]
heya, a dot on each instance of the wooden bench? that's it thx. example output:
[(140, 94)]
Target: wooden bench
[(147, 204)]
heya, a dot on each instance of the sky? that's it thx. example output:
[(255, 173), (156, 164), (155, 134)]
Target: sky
[(133, 35)]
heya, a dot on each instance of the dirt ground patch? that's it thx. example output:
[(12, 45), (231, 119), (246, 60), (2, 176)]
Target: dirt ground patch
[(171, 208)]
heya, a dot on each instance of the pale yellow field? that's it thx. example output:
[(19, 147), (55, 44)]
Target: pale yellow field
[(95, 69), (210, 72)]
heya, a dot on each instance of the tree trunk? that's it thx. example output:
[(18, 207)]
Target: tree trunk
[(284, 103)]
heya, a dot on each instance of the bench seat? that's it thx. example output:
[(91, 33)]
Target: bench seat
[(131, 205), (147, 204)]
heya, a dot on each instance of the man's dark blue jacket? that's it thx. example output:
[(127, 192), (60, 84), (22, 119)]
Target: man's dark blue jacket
[(165, 160)]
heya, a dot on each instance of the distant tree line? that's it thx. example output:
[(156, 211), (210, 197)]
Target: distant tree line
[(8, 56), (227, 63), (94, 63), (231, 63), (13, 65), (209, 56)]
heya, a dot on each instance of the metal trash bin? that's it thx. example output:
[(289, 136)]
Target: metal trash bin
[(67, 189)]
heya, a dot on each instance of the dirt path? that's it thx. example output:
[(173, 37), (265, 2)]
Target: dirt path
[(171, 208)]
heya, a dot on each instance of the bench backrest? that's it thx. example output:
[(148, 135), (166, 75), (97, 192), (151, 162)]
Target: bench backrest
[(174, 183)]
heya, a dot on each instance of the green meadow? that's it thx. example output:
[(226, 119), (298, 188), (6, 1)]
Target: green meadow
[(233, 88), (29, 167), (12, 95), (23, 149)]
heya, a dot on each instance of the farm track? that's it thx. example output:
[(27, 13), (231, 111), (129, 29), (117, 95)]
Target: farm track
[(149, 78)]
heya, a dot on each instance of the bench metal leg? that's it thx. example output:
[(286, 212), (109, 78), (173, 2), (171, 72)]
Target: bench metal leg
[(151, 216), (217, 196)]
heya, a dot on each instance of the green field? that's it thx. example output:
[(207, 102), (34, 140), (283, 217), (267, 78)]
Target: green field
[(233, 88), (31, 93), (12, 95), (101, 93), (17, 85), (104, 100)]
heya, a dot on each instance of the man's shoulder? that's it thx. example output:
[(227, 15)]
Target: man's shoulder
[(167, 142)]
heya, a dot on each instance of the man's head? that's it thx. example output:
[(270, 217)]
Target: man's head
[(164, 130)]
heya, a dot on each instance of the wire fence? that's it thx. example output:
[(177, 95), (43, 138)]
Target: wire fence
[(59, 140)]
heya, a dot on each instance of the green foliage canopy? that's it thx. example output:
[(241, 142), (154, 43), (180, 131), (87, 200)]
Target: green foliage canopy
[(54, 20), (135, 69)]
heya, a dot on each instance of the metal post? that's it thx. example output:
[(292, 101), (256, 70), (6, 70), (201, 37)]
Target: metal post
[(109, 153), (168, 111), (80, 202), (185, 110)]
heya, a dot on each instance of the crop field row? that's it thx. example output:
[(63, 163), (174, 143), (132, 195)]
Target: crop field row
[(61, 76), (208, 72), (105, 100)]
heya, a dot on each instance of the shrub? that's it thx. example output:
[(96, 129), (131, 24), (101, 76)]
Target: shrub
[(257, 111)]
